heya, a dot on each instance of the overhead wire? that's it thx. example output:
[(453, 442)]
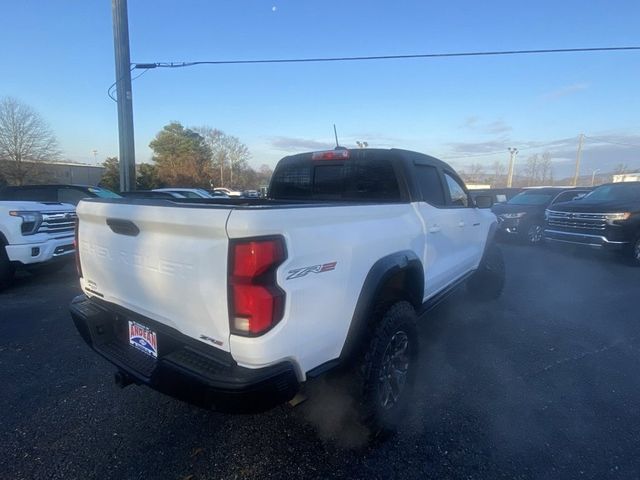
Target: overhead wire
[(148, 66), (499, 152), (119, 79), (386, 57), (152, 65), (599, 140)]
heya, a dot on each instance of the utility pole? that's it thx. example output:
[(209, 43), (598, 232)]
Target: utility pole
[(513, 153), (123, 89), (578, 154)]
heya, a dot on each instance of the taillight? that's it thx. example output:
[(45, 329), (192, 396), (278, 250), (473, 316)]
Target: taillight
[(256, 303), (341, 154), (76, 246)]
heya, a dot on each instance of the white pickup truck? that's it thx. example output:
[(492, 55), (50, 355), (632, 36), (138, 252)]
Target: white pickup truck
[(235, 303), (34, 234)]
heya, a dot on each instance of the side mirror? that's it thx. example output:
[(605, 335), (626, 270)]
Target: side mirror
[(484, 201)]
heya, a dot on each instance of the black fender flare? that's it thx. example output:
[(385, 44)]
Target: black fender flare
[(382, 271)]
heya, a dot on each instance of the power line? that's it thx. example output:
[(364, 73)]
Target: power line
[(542, 145), (384, 57), (500, 152), (109, 90), (599, 140)]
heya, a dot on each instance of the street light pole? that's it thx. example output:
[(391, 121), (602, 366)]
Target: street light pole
[(593, 176), (123, 89), (578, 154), (513, 152)]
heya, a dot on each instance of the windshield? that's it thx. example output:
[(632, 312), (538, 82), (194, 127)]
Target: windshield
[(530, 198), (188, 194), (103, 193), (619, 192)]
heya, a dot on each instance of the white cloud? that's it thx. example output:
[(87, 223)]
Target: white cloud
[(490, 128), (565, 91), (293, 144)]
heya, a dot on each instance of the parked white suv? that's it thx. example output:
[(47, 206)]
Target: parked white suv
[(34, 234), (235, 304)]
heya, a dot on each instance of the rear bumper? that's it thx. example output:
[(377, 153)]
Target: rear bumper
[(40, 252), (594, 241), (185, 368)]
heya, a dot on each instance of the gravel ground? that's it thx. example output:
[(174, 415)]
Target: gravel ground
[(542, 383)]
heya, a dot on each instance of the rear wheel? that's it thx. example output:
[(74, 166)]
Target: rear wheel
[(387, 371), (6, 268)]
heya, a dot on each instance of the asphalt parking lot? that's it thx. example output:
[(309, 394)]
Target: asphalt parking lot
[(542, 383)]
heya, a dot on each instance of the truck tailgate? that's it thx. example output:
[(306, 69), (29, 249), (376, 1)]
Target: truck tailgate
[(166, 263)]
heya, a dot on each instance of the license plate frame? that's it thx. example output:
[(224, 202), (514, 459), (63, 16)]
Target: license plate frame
[(143, 339)]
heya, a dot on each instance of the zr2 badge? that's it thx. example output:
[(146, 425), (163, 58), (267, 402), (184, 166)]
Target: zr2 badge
[(304, 271)]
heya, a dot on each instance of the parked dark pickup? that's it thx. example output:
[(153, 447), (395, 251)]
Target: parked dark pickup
[(522, 216), (608, 217)]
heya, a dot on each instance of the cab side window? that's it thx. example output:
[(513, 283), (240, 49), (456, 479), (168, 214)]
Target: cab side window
[(458, 195), (430, 185)]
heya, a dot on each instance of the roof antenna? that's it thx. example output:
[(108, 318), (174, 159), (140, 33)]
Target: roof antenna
[(335, 133)]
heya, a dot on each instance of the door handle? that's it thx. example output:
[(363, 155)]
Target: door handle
[(461, 224), (123, 227), (434, 229)]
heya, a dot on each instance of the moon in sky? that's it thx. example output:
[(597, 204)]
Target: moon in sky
[(274, 8)]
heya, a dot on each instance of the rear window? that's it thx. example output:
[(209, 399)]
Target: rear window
[(366, 178)]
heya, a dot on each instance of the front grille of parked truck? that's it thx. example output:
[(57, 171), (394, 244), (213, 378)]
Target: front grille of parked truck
[(58, 222), (576, 221)]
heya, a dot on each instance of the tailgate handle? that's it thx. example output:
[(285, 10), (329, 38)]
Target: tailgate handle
[(123, 227)]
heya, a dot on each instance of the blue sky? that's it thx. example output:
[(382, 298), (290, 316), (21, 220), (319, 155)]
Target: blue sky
[(58, 57)]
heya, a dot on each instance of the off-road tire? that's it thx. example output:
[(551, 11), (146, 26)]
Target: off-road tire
[(487, 282), (6, 269), (381, 368)]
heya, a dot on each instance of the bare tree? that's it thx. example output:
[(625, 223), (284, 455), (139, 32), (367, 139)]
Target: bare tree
[(498, 172), (621, 169), (531, 169), (25, 141), (214, 138), (238, 157), (477, 172), (229, 156), (545, 169)]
